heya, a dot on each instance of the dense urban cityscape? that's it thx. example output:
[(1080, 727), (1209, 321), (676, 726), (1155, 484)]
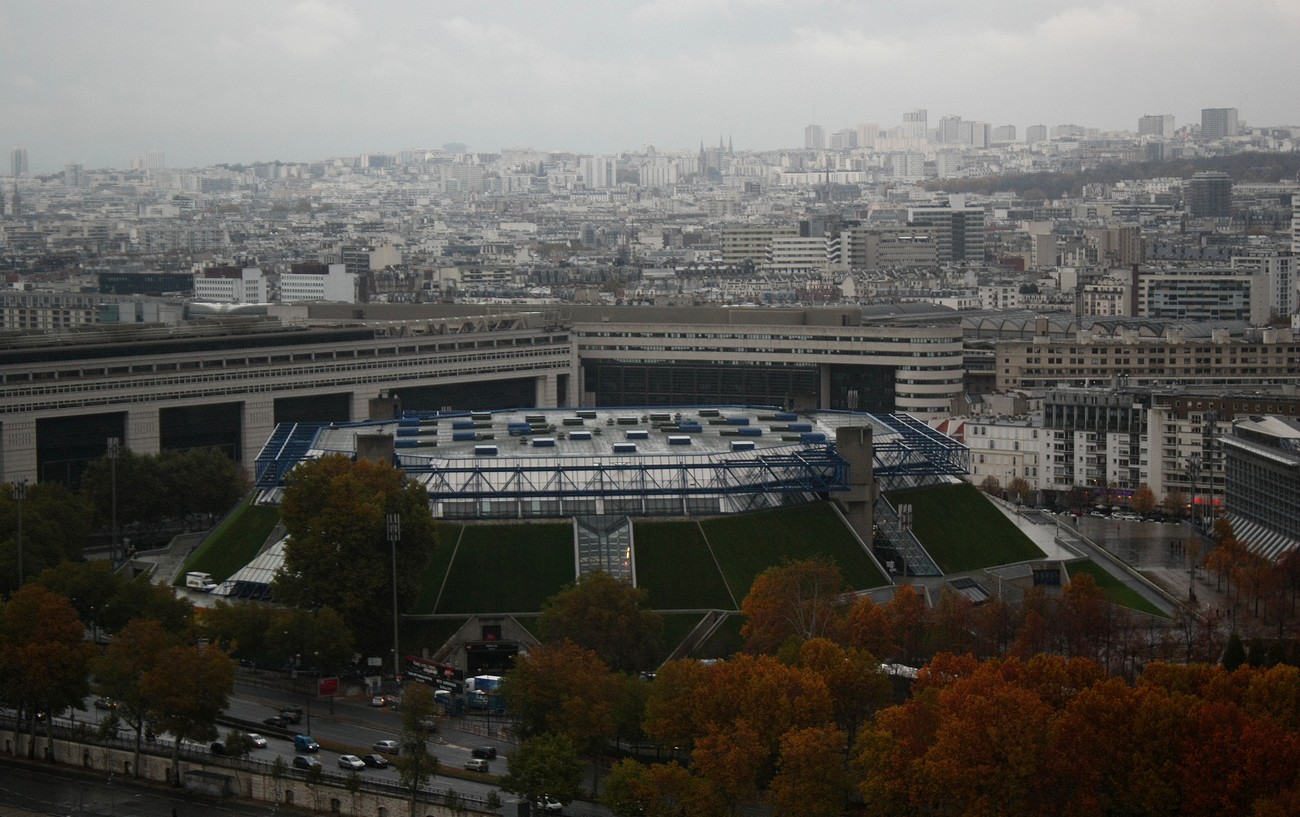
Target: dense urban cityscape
[(378, 437)]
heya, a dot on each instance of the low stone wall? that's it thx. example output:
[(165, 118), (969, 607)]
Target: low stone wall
[(256, 784)]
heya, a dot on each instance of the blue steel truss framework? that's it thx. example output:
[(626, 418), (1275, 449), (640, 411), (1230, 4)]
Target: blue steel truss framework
[(916, 451), (792, 469), (904, 451)]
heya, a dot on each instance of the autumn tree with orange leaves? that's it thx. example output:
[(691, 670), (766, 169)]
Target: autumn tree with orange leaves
[(44, 658), (796, 600), (1060, 736)]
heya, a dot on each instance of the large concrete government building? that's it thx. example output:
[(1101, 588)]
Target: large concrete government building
[(227, 380)]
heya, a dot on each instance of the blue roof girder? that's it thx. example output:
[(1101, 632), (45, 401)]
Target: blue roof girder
[(794, 473)]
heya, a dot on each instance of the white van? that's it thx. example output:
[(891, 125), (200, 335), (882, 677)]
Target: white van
[(200, 581)]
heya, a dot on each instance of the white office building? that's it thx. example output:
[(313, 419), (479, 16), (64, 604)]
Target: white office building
[(336, 285), (231, 285)]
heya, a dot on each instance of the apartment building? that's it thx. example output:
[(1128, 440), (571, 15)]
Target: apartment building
[(1156, 125), (796, 253), (1204, 295), (1007, 448), (959, 230), (1277, 269), (751, 243), (1111, 441), (871, 248), (1096, 439), (1219, 123), (49, 311), (1270, 356)]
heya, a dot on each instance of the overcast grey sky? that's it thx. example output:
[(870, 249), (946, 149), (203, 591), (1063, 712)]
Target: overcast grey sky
[(242, 81)]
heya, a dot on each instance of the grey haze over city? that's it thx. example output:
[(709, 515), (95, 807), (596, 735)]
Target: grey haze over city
[(100, 83)]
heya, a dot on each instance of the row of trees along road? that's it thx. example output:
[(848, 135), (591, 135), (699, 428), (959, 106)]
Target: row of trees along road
[(153, 668)]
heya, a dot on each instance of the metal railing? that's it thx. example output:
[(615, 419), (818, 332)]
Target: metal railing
[(85, 735)]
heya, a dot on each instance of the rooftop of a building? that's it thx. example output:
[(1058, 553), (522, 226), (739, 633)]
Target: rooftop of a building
[(600, 433)]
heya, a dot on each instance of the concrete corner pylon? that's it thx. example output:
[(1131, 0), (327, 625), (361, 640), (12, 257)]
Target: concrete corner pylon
[(854, 444)]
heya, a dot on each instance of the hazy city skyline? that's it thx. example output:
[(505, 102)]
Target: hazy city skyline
[(100, 84)]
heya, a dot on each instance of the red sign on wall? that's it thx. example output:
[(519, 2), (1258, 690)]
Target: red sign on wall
[(327, 687)]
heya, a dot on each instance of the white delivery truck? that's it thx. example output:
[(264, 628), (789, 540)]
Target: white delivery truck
[(200, 581)]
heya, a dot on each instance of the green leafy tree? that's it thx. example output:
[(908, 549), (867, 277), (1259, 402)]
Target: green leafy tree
[(245, 631), (546, 764), (316, 640), (135, 650), (141, 598), (633, 789), (44, 657), (200, 480), (628, 709), (55, 527), (141, 492), (238, 744), (338, 553), (415, 763), (274, 636), (168, 485), (608, 616), (90, 586), (189, 687)]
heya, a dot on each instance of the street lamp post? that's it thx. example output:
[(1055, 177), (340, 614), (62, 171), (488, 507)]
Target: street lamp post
[(1193, 469), (19, 494), (394, 535), (114, 448)]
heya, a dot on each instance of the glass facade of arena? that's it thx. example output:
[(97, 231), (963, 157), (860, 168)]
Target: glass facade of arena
[(617, 383)]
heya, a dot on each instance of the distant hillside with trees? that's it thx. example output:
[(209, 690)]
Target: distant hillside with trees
[(1242, 167)]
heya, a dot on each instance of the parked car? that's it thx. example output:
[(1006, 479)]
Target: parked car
[(485, 752), (375, 761), (105, 703), (547, 804), (351, 762), (476, 764), (388, 747), (258, 740), (305, 762)]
